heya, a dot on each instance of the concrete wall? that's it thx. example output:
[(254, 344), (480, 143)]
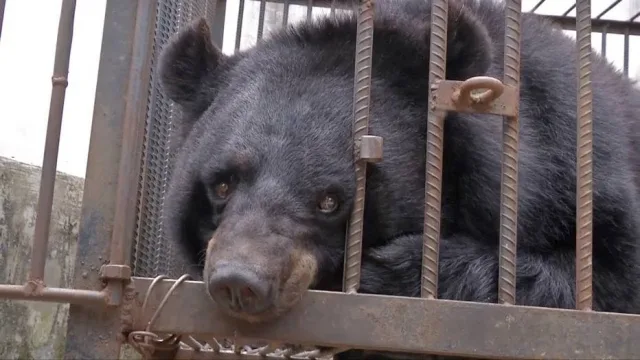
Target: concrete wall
[(35, 330)]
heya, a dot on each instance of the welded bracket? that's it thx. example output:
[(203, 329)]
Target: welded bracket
[(370, 148)]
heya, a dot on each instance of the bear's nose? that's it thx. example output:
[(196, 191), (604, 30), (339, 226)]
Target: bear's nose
[(239, 289)]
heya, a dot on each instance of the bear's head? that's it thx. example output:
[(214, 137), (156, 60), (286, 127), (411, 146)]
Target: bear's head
[(264, 180)]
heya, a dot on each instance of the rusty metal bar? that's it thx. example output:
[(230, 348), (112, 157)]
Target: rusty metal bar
[(285, 12), (361, 107), (92, 334), (584, 201), (124, 220), (261, 14), (435, 139), (625, 60), (386, 323), (309, 9), (510, 139), (132, 137), (603, 44), (56, 295), (52, 142), (239, 25)]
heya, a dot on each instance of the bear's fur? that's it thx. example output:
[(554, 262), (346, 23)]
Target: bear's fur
[(275, 123)]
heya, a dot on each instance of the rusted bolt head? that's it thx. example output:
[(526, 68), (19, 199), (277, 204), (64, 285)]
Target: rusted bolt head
[(122, 272)]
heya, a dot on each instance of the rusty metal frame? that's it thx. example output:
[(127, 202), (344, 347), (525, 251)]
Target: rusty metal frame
[(502, 330), (414, 325), (111, 185), (109, 307), (357, 319)]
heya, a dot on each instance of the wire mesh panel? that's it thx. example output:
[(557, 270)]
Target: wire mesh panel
[(153, 255)]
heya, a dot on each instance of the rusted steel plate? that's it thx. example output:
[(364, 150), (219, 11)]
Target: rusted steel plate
[(406, 324)]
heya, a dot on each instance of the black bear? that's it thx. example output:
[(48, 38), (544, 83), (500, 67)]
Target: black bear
[(264, 180)]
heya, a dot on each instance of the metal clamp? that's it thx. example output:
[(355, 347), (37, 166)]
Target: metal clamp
[(463, 96), (370, 148)]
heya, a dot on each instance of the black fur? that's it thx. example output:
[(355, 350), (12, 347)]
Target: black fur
[(287, 105)]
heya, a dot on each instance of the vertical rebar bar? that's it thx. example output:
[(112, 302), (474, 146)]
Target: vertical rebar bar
[(261, 14), (332, 12), (584, 210), (52, 141), (510, 139), (361, 108), (603, 44), (285, 12), (434, 149), (625, 58), (309, 9), (239, 25)]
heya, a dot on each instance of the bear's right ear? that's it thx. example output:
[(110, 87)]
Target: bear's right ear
[(187, 68)]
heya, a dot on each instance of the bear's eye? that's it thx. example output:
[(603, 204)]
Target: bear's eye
[(222, 189), (328, 204)]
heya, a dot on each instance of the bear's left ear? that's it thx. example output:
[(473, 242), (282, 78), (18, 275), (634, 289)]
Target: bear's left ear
[(469, 45), (188, 67)]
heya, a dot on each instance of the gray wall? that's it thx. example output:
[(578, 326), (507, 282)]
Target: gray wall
[(35, 330)]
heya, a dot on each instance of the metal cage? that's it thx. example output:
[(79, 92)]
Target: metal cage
[(134, 296)]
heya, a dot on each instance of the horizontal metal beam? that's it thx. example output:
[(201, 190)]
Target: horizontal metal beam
[(598, 25), (384, 323)]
